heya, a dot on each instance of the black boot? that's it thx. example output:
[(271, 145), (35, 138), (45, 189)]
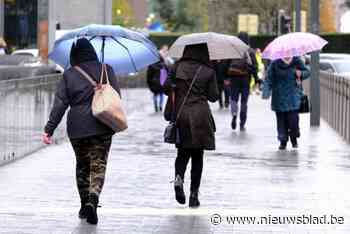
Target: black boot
[(283, 145), (233, 123), (194, 202), (91, 208), (294, 142), (179, 190), (83, 208)]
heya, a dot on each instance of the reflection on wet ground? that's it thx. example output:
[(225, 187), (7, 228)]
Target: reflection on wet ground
[(245, 176)]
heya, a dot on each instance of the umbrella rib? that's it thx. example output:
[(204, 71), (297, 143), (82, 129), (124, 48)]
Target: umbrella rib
[(92, 38), (127, 50)]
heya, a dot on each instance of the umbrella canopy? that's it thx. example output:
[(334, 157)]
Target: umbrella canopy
[(220, 46), (293, 45), (125, 50)]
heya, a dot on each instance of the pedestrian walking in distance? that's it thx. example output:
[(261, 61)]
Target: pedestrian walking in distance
[(283, 79), (90, 138), (240, 73), (220, 68), (156, 77), (192, 75)]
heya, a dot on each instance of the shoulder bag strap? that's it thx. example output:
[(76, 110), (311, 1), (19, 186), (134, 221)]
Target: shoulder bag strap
[(85, 75), (173, 86), (188, 93), (104, 74)]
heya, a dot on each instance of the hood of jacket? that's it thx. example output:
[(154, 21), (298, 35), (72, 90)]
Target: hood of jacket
[(187, 68), (82, 51)]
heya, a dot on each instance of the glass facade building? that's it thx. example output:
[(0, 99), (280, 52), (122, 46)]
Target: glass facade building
[(20, 19)]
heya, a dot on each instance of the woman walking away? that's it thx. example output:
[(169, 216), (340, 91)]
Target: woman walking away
[(194, 76), (91, 139), (284, 79), (156, 77)]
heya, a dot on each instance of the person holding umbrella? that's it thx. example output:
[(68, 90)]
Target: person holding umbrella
[(90, 138), (192, 75), (284, 80), (191, 84), (125, 51)]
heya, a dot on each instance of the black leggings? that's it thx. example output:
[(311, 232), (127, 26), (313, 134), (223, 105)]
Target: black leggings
[(183, 156)]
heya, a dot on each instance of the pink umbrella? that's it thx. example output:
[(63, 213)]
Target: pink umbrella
[(293, 45)]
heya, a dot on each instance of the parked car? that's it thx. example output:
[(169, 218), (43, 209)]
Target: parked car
[(334, 56), (339, 66), (334, 63), (27, 52), (34, 60)]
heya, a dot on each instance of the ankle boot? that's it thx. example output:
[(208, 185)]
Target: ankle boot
[(179, 190), (283, 145), (83, 209), (233, 122), (194, 202), (294, 142), (91, 208)]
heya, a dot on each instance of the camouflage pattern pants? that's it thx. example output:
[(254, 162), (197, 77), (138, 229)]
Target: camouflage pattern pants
[(91, 155)]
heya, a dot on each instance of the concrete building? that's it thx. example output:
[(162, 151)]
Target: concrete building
[(24, 23), (77, 13), (31, 23), (340, 10), (140, 10)]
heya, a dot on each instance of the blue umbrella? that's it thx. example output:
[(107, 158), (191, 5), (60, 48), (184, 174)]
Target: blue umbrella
[(125, 50)]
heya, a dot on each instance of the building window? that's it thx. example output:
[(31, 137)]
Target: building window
[(20, 28)]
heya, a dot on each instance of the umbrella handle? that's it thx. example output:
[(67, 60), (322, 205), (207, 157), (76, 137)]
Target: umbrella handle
[(103, 49)]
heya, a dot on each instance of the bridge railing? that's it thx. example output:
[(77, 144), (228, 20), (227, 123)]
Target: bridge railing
[(335, 102), (25, 106)]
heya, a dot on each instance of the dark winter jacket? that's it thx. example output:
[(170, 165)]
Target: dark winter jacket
[(76, 92), (153, 77), (282, 81), (196, 123), (221, 70), (252, 67)]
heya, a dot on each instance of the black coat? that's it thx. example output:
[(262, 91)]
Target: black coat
[(153, 77), (76, 92), (221, 70), (244, 81), (196, 123)]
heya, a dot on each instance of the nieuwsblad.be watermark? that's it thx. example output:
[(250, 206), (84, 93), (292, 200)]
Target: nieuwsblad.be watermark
[(217, 219)]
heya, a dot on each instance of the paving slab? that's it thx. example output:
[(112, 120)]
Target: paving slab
[(245, 178)]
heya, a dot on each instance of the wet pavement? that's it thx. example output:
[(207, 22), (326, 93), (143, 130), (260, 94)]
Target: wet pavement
[(245, 176)]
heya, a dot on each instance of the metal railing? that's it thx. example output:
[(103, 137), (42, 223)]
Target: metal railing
[(25, 105), (335, 102)]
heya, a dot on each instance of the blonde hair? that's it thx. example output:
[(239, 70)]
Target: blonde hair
[(2, 43)]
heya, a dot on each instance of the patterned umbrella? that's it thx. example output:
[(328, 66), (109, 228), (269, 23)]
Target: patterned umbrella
[(220, 46), (293, 45)]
